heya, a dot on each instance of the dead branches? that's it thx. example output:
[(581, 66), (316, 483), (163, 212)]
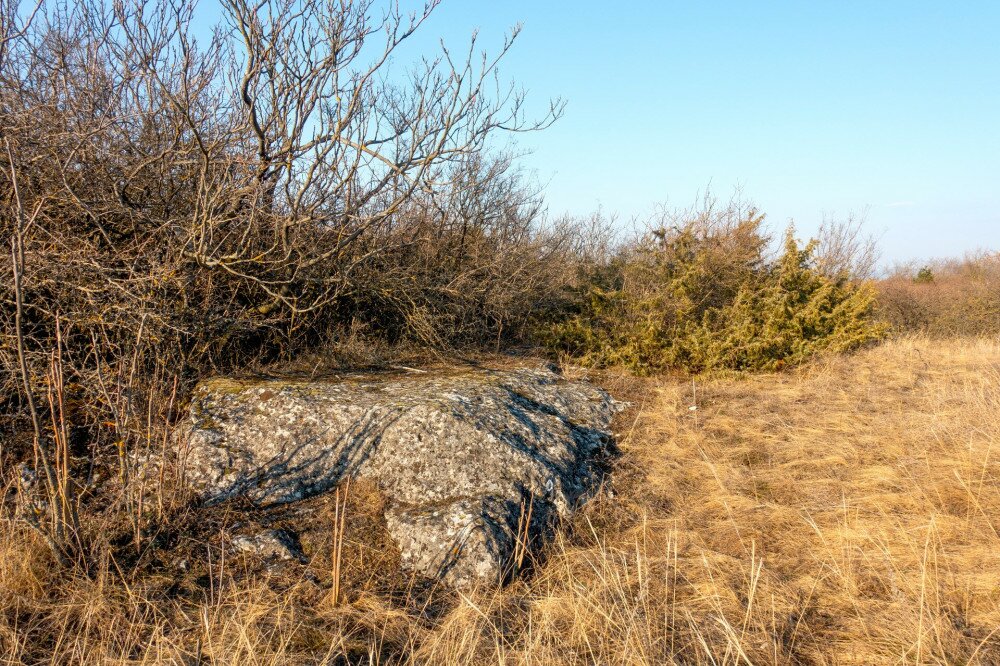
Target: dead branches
[(180, 200)]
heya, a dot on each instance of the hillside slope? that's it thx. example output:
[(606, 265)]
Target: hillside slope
[(842, 513)]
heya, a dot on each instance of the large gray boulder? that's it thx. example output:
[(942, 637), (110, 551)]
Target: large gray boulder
[(459, 455)]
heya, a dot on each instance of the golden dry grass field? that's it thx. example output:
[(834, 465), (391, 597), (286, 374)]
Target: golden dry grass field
[(843, 513)]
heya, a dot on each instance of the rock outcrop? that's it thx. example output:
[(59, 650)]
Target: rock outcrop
[(271, 544), (463, 457)]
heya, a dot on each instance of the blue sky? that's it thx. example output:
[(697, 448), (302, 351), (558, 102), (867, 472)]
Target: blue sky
[(810, 108)]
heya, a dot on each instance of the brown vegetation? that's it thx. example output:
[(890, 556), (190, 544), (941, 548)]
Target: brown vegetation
[(944, 298), (173, 208), (277, 195)]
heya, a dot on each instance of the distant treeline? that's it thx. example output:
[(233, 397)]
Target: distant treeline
[(944, 298)]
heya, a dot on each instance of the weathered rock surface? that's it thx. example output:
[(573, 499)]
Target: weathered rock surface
[(459, 455), (270, 544)]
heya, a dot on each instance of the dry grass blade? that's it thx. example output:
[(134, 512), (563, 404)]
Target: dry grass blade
[(340, 498)]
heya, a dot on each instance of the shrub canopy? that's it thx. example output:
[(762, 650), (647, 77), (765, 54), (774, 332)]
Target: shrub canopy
[(703, 295)]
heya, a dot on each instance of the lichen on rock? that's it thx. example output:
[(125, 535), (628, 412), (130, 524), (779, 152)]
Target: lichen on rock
[(459, 455)]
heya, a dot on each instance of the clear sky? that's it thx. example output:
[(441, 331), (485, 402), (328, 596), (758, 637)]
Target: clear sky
[(810, 107)]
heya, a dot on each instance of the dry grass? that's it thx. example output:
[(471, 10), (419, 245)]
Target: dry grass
[(844, 513)]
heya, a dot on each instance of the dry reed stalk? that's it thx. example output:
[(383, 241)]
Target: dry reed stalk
[(522, 540), (340, 498)]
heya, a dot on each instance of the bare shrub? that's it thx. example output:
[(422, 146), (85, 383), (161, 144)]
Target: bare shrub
[(943, 298), (184, 207), (844, 247)]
